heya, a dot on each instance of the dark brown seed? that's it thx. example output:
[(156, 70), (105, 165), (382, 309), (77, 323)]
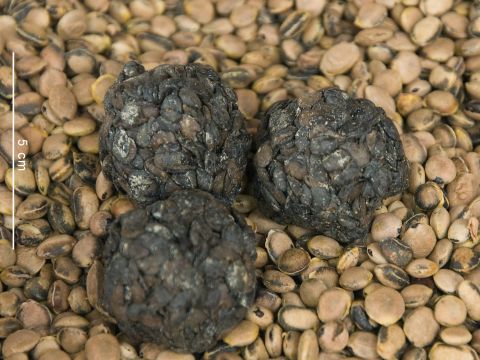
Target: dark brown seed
[(396, 252)]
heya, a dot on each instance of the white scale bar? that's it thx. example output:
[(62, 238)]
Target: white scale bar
[(13, 150)]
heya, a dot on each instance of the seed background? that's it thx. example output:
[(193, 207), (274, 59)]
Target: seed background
[(417, 59)]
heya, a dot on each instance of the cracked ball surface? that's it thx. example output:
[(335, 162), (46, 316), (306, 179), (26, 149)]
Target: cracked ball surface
[(327, 161), (174, 127), (180, 271)]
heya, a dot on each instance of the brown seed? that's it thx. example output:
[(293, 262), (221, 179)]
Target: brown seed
[(348, 259), (391, 275), (102, 346), (55, 246), (290, 344), (293, 261), (444, 351), (7, 254), (334, 304), (85, 203), (355, 278), (72, 340), (86, 250), (34, 316), (310, 291), (72, 25), (78, 300), (464, 260), (21, 144), (20, 341), (260, 315), (385, 305), (333, 336), (276, 243), (421, 239), (66, 270), (396, 252), (425, 30), (442, 102)]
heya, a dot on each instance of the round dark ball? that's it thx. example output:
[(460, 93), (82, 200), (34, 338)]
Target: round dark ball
[(174, 127), (327, 161), (180, 271)]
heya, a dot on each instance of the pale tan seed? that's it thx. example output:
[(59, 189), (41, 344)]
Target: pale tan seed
[(407, 64), (333, 336), (62, 103), (447, 280), (339, 59), (420, 326), (363, 344), (243, 334), (425, 30), (308, 346), (290, 344), (390, 341), (421, 239), (100, 87), (421, 268), (470, 295), (440, 221), (102, 346), (355, 278), (380, 98), (441, 351), (385, 306), (296, 318), (384, 226), (324, 247), (334, 304), (310, 291), (273, 340), (293, 261), (456, 335), (72, 25), (276, 243)]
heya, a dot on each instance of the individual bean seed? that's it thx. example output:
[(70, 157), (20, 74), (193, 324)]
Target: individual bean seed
[(333, 336), (57, 296), (310, 291), (440, 221), (61, 169), (273, 340), (55, 246), (355, 278), (260, 315), (339, 59), (8, 325), (470, 295), (425, 30), (255, 350), (7, 254), (61, 218), (380, 98), (375, 254), (262, 257), (20, 341), (293, 261), (293, 318), (102, 346), (385, 306), (334, 304), (359, 316), (66, 270), (420, 326), (276, 243), (277, 281), (414, 150), (385, 226), (78, 301), (34, 316), (28, 259), (447, 280), (370, 15), (390, 341), (444, 351), (456, 335), (24, 181), (396, 252), (407, 64), (292, 298), (348, 259), (9, 303), (85, 203), (324, 247), (99, 222), (440, 169), (421, 239), (290, 344), (72, 340), (14, 276), (62, 103), (464, 260), (308, 346), (422, 268), (363, 344), (450, 311), (391, 275)]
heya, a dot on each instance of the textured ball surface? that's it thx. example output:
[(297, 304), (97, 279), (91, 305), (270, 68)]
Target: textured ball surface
[(180, 271), (174, 127), (327, 161)]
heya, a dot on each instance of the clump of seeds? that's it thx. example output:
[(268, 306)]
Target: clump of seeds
[(419, 60)]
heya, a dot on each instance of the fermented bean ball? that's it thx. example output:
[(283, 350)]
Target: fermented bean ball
[(170, 128), (179, 271), (326, 162)]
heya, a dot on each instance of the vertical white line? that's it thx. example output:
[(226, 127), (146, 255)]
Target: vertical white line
[(13, 150)]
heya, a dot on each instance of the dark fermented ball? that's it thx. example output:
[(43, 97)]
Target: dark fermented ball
[(327, 161), (180, 271), (174, 127)]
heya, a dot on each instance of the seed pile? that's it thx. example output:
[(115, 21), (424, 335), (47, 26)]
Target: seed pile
[(417, 59), (326, 163), (173, 128)]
